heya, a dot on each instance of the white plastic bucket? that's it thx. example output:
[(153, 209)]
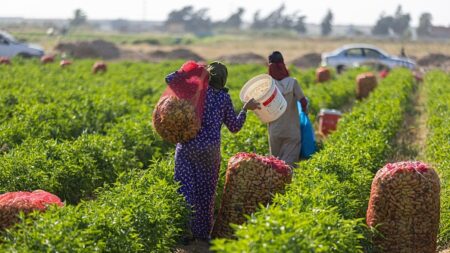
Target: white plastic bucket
[(263, 89)]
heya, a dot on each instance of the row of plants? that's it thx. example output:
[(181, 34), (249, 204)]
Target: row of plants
[(46, 102), (437, 90), (322, 209), (253, 136), (142, 212), (69, 132), (75, 168)]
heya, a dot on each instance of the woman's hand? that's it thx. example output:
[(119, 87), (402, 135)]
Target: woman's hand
[(304, 103), (251, 105)]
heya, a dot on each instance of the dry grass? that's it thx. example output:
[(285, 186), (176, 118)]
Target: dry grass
[(293, 48), (194, 247), (213, 47)]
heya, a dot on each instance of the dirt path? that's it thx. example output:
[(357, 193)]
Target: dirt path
[(422, 130), (194, 247), (410, 140)]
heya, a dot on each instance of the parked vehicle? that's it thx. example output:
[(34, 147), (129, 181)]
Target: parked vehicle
[(354, 55), (10, 47)]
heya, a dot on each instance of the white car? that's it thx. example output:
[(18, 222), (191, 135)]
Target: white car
[(10, 47), (354, 55)]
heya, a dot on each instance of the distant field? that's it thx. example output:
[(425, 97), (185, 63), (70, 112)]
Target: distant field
[(293, 48), (216, 46)]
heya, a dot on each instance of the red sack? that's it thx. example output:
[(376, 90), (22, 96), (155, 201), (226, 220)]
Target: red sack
[(384, 73), (323, 74), (178, 114), (12, 203), (47, 59), (5, 61), (365, 83)]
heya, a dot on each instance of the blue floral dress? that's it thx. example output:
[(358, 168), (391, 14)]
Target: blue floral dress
[(197, 161)]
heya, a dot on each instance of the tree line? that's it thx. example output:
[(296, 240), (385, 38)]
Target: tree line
[(198, 22)]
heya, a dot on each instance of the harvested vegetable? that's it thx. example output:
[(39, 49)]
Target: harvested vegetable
[(47, 59), (178, 114), (5, 61), (323, 74), (12, 203), (99, 67), (175, 120), (404, 207), (365, 83), (251, 180)]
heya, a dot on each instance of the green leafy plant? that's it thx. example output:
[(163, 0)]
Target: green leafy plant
[(88, 139), (143, 212), (437, 92), (322, 208)]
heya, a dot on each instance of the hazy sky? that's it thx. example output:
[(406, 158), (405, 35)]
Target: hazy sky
[(364, 12)]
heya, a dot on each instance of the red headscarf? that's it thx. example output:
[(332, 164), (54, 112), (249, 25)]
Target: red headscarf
[(277, 68), (278, 71)]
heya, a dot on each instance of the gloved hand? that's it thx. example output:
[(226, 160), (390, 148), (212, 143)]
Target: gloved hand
[(251, 105), (304, 103)]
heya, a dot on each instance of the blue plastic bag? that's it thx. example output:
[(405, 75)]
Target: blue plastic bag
[(308, 142)]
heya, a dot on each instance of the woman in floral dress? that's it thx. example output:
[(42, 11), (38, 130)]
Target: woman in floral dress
[(197, 161)]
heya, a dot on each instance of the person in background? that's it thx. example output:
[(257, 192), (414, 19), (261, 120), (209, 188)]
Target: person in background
[(284, 133), (402, 52), (197, 161)]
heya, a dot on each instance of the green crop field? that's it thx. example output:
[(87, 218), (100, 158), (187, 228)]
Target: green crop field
[(89, 139)]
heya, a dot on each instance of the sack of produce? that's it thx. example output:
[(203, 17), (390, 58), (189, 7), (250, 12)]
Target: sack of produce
[(365, 83), (404, 208), (5, 61), (323, 74), (250, 180), (178, 114), (47, 59), (99, 67), (12, 203)]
